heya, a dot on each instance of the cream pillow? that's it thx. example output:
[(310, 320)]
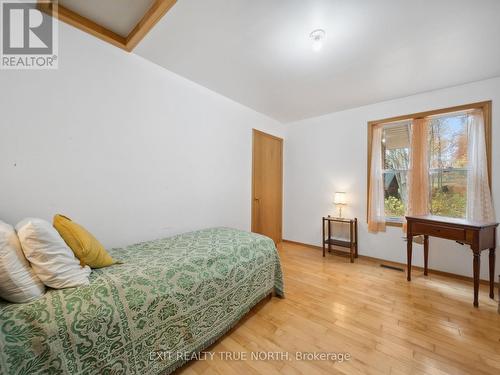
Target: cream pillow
[(52, 260), (18, 282)]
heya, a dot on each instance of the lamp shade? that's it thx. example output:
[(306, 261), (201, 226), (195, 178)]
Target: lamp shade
[(340, 198)]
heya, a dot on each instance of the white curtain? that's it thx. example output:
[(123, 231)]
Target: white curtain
[(479, 202), (376, 209)]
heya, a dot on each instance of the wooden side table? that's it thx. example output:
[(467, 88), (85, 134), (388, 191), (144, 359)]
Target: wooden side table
[(351, 244)]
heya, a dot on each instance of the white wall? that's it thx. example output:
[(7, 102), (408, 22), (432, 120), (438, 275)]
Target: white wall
[(329, 153), (126, 148), (135, 152)]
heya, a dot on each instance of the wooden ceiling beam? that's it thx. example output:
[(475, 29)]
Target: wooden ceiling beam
[(152, 16), (74, 19)]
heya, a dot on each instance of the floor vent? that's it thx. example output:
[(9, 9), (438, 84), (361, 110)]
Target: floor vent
[(392, 268)]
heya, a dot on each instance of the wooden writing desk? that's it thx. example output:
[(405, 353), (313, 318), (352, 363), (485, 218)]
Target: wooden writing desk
[(479, 235)]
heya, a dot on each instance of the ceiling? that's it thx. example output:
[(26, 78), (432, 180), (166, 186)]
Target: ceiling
[(119, 16), (259, 53)]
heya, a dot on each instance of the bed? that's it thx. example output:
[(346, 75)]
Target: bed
[(169, 297)]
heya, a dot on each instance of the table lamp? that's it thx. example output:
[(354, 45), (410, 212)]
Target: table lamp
[(340, 200)]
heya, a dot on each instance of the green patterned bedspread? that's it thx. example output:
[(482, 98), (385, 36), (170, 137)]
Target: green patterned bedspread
[(170, 296)]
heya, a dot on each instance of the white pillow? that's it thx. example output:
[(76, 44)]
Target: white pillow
[(18, 282), (52, 260)]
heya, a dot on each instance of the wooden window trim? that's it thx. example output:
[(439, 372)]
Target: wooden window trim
[(487, 113)]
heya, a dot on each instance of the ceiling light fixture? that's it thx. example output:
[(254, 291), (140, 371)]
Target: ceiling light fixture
[(317, 36)]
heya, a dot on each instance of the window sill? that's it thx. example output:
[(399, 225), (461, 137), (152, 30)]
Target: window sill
[(394, 223)]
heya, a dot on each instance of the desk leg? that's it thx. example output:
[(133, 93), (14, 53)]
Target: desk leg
[(329, 236), (323, 239), (409, 245), (356, 237), (351, 241), (477, 265), (426, 254), (492, 273)]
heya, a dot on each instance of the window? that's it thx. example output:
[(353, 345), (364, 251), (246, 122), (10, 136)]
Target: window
[(396, 160), (447, 159), (448, 165)]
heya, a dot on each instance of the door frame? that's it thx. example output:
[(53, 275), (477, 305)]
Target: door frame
[(261, 133)]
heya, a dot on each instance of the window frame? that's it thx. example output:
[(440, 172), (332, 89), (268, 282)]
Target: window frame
[(485, 106)]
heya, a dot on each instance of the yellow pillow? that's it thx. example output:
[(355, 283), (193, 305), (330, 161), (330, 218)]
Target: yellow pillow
[(85, 246)]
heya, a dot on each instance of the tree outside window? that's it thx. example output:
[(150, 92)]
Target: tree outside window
[(448, 165)]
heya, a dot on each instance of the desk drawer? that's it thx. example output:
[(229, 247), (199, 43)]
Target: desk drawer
[(450, 233)]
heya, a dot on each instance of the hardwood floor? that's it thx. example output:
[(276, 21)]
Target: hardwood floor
[(387, 325)]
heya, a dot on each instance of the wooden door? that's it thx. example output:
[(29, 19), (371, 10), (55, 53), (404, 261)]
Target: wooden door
[(267, 185)]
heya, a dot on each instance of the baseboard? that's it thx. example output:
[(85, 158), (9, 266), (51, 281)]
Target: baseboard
[(397, 264)]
